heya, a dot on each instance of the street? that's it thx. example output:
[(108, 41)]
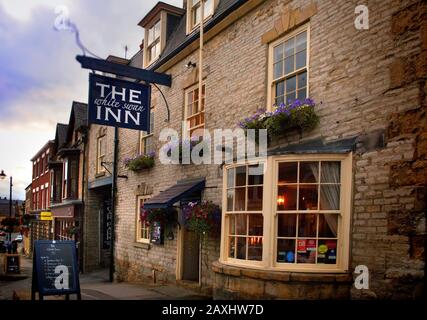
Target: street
[(95, 286)]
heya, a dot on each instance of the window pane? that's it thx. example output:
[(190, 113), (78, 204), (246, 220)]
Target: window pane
[(278, 69), (289, 64), (241, 248), (232, 247), (307, 225), (306, 250), (287, 197), (302, 94), (302, 80), (255, 198), (208, 9), (255, 224), (280, 100), (289, 47), (286, 250), (309, 172), (287, 225), (331, 171), (288, 172), (230, 178), (291, 84), (308, 196), (241, 176), (330, 197), (230, 197), (232, 224), (280, 88), (301, 41), (328, 225), (290, 97), (278, 53), (301, 59), (327, 252), (255, 248), (241, 224), (255, 174), (240, 200)]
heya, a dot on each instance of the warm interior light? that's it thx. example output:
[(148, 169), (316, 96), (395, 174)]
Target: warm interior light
[(281, 200)]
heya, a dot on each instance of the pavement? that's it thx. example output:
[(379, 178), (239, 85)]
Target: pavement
[(95, 286)]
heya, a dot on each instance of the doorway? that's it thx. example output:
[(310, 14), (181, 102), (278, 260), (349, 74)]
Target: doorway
[(191, 256)]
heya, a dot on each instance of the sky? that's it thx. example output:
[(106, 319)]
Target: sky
[(39, 76)]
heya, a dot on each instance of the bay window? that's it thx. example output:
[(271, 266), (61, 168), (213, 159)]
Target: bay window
[(244, 194), (293, 217)]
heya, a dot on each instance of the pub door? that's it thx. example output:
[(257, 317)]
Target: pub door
[(191, 256)]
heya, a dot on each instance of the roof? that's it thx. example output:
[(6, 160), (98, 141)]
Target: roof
[(61, 134), (79, 110), (175, 193), (42, 149), (78, 118), (179, 38), (156, 10), (317, 146)]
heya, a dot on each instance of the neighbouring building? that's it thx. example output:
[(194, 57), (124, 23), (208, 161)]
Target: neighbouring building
[(69, 178), (350, 192), (40, 195)]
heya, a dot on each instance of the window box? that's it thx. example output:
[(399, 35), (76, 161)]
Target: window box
[(298, 115)]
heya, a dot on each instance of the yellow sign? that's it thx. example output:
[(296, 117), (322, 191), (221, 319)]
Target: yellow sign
[(46, 216)]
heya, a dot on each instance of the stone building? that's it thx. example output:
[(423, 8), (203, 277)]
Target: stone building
[(350, 192)]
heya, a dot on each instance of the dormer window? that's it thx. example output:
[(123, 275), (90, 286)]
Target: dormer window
[(153, 42), (194, 10), (158, 25)]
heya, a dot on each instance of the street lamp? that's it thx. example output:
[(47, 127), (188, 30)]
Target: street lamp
[(2, 177)]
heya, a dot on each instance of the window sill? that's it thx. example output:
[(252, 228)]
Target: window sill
[(283, 276), (142, 245), (100, 174)]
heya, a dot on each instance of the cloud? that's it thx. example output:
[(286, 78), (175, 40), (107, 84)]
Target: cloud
[(39, 76)]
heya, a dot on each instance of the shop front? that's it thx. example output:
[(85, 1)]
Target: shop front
[(66, 221)]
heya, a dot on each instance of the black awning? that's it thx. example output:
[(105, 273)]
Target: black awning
[(99, 183), (175, 193), (316, 146)]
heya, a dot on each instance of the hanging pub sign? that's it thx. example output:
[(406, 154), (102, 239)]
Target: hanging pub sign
[(114, 102)]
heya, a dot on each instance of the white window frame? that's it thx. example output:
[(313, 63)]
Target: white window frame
[(161, 39), (138, 235), (186, 116), (100, 157), (269, 217), (271, 81), (143, 135), (191, 25)]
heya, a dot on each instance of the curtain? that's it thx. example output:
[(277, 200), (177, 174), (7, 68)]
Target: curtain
[(329, 194)]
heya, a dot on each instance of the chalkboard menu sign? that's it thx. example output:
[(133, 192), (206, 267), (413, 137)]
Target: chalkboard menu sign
[(107, 225), (55, 269), (12, 263)]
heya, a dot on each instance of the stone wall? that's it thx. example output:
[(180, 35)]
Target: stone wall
[(364, 86)]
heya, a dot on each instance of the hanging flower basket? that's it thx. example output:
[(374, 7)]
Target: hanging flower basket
[(203, 218), (298, 115), (166, 217), (140, 162)]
